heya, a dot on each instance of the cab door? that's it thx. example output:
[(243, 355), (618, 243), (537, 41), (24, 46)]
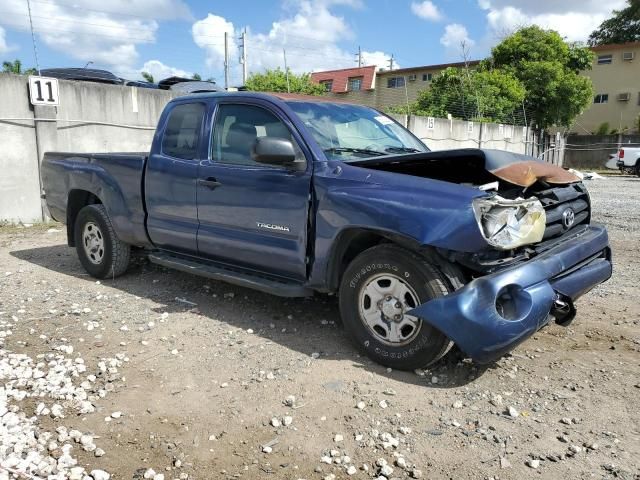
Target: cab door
[(253, 215), (171, 179)]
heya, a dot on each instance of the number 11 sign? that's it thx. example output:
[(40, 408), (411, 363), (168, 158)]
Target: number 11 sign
[(43, 91)]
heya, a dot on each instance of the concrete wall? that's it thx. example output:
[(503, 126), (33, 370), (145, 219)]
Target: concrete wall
[(443, 134), (78, 126), (19, 174)]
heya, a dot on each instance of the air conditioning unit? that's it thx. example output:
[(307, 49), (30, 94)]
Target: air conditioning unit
[(628, 56), (412, 78), (624, 97)]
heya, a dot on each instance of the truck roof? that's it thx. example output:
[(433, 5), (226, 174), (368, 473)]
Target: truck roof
[(288, 97)]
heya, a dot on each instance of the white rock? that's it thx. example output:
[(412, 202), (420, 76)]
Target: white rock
[(150, 473), (338, 438), (533, 463), (275, 422), (360, 405), (116, 414), (98, 452), (352, 470), (158, 476), (386, 470), (100, 475), (288, 420), (513, 412), (267, 449), (457, 404), (383, 404)]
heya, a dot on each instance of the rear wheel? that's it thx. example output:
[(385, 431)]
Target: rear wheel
[(100, 251), (377, 290), (638, 168)]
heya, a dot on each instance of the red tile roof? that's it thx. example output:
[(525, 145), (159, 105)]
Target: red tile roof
[(340, 78)]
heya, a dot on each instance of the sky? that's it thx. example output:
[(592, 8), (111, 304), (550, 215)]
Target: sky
[(182, 37)]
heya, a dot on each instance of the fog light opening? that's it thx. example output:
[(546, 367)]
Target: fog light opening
[(512, 303)]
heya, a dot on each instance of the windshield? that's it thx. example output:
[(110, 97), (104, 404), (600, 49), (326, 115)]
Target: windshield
[(353, 132)]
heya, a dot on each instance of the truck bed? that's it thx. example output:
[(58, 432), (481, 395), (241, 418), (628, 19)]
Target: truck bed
[(116, 178)]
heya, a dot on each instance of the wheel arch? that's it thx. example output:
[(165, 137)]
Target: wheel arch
[(353, 241), (76, 201)]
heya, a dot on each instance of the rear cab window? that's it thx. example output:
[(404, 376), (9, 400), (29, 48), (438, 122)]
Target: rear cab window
[(182, 131)]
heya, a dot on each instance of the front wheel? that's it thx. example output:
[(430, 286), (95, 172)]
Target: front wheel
[(377, 290), (100, 251)]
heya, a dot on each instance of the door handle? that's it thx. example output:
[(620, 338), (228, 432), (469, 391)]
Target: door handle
[(209, 182)]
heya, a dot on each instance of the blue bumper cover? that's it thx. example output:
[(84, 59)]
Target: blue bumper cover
[(470, 318)]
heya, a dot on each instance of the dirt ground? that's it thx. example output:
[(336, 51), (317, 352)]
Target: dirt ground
[(207, 366)]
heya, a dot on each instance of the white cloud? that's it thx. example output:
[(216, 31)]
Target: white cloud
[(88, 31), (455, 35), (379, 59), (159, 70), (208, 34), (573, 19), (310, 34), (426, 10), (4, 46)]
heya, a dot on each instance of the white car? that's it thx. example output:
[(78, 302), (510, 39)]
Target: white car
[(628, 160)]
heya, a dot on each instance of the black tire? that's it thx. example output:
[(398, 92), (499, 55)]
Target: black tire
[(638, 168), (426, 345), (110, 256)]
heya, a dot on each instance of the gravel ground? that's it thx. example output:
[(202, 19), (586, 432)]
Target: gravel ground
[(159, 375)]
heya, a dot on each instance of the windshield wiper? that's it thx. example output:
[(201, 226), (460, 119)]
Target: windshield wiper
[(364, 151), (402, 149)]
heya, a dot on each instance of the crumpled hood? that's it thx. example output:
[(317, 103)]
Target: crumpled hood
[(474, 166), (523, 170)]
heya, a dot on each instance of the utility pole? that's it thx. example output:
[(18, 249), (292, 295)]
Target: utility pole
[(243, 58), (226, 61), (359, 56), (391, 62), (286, 70)]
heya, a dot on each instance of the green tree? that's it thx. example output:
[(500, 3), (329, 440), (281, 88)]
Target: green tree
[(548, 68), (147, 77), (622, 27), (276, 81), (16, 67), (484, 94), (196, 76)]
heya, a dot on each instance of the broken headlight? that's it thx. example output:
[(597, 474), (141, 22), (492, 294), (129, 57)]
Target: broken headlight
[(508, 224)]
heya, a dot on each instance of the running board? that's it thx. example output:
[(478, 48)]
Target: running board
[(230, 275)]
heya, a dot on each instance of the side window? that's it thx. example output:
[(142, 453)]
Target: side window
[(181, 135), (236, 129)]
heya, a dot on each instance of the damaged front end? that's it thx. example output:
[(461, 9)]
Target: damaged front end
[(492, 314), (540, 253)]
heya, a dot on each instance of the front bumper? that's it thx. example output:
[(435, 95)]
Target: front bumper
[(526, 294)]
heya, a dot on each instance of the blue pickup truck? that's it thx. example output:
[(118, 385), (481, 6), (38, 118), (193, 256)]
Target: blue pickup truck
[(296, 195)]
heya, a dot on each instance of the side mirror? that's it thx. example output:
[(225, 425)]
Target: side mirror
[(275, 151)]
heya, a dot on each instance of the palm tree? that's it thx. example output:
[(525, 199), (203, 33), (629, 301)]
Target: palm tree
[(148, 77)]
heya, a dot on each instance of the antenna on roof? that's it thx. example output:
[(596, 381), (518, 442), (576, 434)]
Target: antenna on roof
[(391, 62), (359, 57)]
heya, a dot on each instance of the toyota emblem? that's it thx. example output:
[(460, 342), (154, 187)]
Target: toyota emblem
[(568, 218)]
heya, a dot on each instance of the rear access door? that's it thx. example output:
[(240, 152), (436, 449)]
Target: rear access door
[(171, 178), (253, 215)]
